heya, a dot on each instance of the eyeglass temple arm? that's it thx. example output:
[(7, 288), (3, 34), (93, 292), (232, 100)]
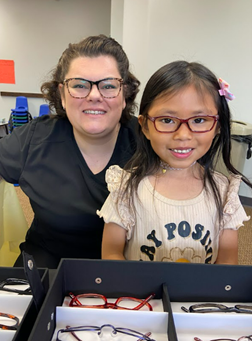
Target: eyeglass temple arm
[(75, 298), (145, 301), (73, 333)]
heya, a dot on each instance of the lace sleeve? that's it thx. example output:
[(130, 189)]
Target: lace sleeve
[(117, 209), (233, 214)]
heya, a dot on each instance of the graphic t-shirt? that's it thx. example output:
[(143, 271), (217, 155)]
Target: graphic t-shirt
[(168, 230)]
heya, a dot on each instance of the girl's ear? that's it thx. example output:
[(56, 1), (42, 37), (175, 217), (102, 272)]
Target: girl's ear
[(61, 91), (144, 126)]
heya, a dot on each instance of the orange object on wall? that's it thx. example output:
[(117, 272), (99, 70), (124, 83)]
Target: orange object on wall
[(7, 72)]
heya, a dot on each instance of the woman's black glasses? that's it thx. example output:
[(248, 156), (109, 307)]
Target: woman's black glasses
[(81, 88), (218, 308)]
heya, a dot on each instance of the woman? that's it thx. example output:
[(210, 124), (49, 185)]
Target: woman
[(60, 160)]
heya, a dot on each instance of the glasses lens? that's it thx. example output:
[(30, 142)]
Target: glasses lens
[(166, 124), (199, 124), (109, 87), (208, 308), (15, 285), (134, 333), (244, 308), (89, 301), (130, 303), (79, 87)]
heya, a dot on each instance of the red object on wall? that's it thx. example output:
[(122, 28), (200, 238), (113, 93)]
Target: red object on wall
[(7, 72)]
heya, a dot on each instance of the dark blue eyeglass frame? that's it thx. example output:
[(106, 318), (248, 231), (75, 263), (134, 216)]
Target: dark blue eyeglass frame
[(99, 330)]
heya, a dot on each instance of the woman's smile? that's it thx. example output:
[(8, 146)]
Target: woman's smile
[(94, 112)]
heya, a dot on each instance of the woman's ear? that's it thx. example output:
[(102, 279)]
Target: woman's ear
[(124, 104), (62, 96), (144, 126)]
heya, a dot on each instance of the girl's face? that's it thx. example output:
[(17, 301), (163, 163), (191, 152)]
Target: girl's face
[(183, 147), (94, 115)]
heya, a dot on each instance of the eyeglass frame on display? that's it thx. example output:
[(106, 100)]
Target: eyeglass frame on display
[(153, 119), (114, 331), (221, 308), (15, 281), (77, 338), (66, 81), (242, 338), (12, 317), (108, 305)]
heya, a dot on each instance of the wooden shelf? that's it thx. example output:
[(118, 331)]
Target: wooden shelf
[(25, 94)]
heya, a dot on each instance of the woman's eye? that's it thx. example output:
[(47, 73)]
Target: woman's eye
[(108, 86), (80, 86)]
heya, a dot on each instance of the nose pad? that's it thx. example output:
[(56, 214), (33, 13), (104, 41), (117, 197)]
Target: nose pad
[(94, 93), (183, 132)]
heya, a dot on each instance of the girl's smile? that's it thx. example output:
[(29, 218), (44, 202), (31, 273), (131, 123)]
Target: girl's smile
[(181, 153)]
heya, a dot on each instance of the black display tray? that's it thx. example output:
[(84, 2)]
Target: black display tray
[(31, 312), (185, 283)]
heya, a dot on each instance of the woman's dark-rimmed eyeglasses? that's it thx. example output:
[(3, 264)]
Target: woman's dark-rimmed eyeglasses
[(81, 88), (197, 124), (100, 330), (102, 303), (218, 308)]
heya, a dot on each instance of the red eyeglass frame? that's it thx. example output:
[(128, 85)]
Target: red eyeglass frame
[(107, 305)]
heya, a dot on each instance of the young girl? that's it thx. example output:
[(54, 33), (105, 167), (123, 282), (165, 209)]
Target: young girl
[(169, 204)]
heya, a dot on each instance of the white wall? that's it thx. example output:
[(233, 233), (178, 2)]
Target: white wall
[(217, 33), (34, 33)]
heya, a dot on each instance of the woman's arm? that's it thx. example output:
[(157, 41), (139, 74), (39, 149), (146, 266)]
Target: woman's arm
[(228, 247), (113, 241)]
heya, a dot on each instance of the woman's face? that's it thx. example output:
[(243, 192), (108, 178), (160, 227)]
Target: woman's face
[(180, 149), (94, 115)]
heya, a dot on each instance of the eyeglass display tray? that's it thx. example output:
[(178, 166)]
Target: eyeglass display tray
[(22, 306), (185, 283)]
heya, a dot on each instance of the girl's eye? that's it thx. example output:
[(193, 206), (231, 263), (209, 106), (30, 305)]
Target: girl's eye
[(199, 120), (166, 120)]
